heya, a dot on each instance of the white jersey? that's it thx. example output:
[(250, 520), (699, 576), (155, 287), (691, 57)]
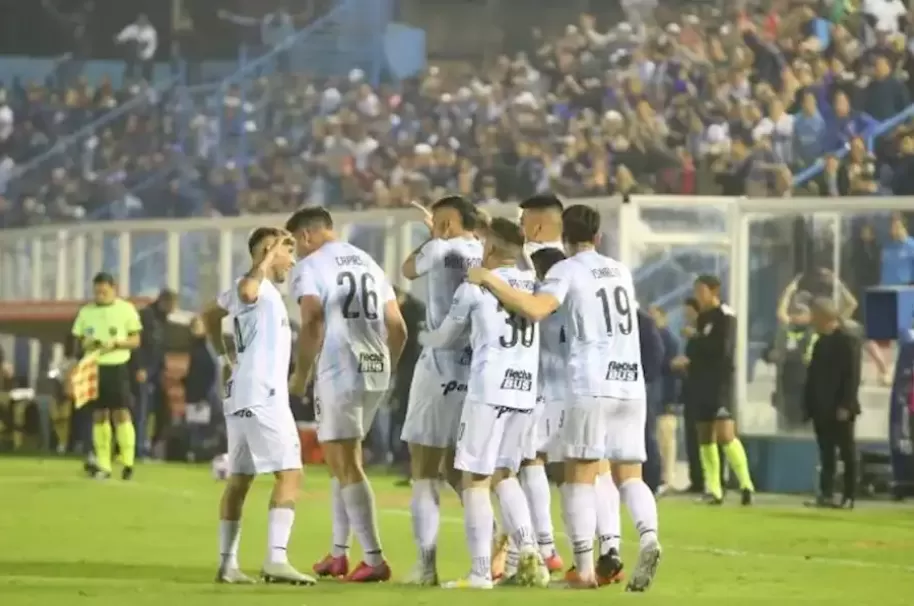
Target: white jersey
[(597, 297), (445, 262), (353, 292), (263, 346), (504, 371), (553, 343)]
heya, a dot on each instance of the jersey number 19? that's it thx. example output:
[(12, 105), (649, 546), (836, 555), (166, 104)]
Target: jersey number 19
[(623, 308)]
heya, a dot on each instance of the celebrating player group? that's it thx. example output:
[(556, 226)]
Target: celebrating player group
[(530, 358)]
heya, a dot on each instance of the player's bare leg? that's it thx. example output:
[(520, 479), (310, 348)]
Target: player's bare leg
[(426, 466), (609, 527), (281, 517), (642, 506), (230, 508), (531, 570), (534, 481), (725, 433), (345, 460), (336, 563), (579, 512)]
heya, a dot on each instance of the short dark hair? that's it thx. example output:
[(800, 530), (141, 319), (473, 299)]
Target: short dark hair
[(709, 280), (506, 231), (580, 224), (259, 235), (545, 258), (308, 216), (691, 302), (103, 277), (543, 202), (467, 211)]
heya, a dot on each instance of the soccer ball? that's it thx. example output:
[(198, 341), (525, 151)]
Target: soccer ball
[(220, 467)]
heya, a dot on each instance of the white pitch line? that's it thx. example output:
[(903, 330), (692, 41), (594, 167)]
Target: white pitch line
[(701, 549)]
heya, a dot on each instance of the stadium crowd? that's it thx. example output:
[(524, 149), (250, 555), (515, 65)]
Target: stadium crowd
[(676, 100)]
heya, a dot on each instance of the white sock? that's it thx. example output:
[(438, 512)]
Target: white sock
[(512, 554), (579, 503), (515, 513), (359, 501), (609, 523), (536, 486), (479, 520), (229, 539), (279, 529), (426, 513), (340, 521), (642, 506)]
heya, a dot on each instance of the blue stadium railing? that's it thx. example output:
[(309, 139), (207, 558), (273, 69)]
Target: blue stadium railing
[(882, 128), (350, 35)]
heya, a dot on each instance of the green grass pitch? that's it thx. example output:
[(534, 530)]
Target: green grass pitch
[(69, 541)]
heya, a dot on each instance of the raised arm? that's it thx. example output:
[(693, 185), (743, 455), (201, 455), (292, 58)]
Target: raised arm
[(536, 306)]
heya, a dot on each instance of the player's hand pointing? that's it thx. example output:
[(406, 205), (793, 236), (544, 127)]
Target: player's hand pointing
[(427, 219), (477, 275)]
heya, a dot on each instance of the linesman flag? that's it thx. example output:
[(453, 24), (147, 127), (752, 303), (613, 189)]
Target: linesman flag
[(84, 380)]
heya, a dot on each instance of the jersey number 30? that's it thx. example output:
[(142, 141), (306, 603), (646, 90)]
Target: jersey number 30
[(520, 330), (361, 297), (623, 309)]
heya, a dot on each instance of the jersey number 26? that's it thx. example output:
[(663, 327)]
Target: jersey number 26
[(361, 297)]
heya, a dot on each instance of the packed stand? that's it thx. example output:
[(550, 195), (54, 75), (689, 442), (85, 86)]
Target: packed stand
[(123, 169)]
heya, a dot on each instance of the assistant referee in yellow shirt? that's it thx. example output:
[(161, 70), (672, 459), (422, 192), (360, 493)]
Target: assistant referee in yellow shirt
[(111, 327)]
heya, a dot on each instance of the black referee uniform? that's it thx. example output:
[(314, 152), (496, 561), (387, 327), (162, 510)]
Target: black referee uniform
[(711, 352)]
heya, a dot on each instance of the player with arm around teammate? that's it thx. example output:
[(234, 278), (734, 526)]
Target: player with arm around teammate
[(439, 383), (262, 435), (350, 317), (606, 411), (500, 398)]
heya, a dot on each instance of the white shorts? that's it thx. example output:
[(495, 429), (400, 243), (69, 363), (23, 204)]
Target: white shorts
[(262, 440), (549, 431), (604, 428), (343, 414), (490, 438), (436, 397)]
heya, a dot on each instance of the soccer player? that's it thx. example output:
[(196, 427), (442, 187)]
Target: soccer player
[(262, 435), (710, 365), (110, 328), (439, 383), (606, 413), (500, 398), (350, 316), (541, 220)]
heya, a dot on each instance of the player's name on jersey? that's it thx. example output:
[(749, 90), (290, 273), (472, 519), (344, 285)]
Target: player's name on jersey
[(521, 284), (605, 272), (349, 261), (517, 380), (456, 260)]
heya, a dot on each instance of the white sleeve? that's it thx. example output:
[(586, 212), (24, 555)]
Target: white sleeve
[(224, 300), (455, 323), (128, 33), (556, 282), (429, 255), (304, 283)]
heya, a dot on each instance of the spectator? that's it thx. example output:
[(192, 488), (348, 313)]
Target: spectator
[(809, 132), (845, 123), (897, 268), (865, 263), (141, 41), (886, 95), (861, 169), (833, 181)]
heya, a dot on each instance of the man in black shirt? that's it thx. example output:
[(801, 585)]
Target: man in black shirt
[(710, 364), (830, 400)]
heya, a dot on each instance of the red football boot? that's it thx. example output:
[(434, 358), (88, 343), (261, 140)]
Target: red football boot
[(364, 573), (336, 567)]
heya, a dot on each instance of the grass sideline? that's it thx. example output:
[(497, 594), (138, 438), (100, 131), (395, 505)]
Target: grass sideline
[(66, 540)]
